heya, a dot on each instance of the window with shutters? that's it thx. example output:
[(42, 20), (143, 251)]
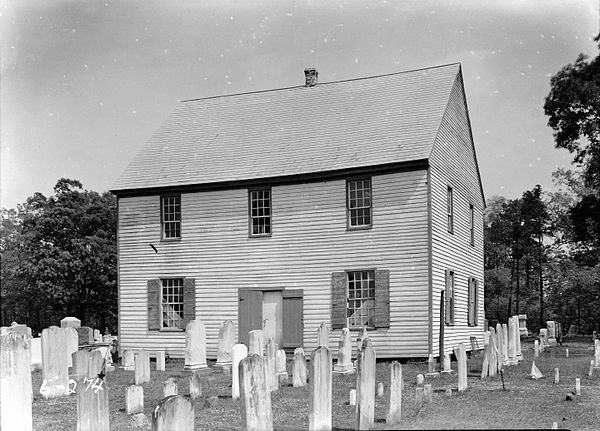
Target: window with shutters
[(260, 212), (472, 297), (450, 209), (172, 303), (361, 299), (170, 216), (449, 297), (359, 203)]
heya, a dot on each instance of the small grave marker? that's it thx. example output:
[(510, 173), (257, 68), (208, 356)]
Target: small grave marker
[(256, 342), (556, 376), (323, 335), (134, 399), (195, 385), (380, 390), (577, 386), (344, 360), (427, 393), (160, 360), (170, 387), (70, 322), (394, 394), (225, 344), (142, 367), (271, 365), (175, 412), (299, 377), (461, 357), (352, 400), (128, 360), (195, 346)]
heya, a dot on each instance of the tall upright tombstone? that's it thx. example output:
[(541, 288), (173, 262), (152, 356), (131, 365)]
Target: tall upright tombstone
[(72, 340), (256, 342), (239, 352), (320, 389), (596, 353), (505, 343), (299, 371), (492, 354), (500, 346), (461, 358), (195, 385), (323, 335), (551, 326), (544, 339), (271, 365), (281, 365), (255, 397), (519, 353), (225, 344), (85, 335), (92, 397), (394, 395), (195, 346), (128, 360), (161, 360), (81, 361), (70, 322), (365, 386), (176, 412), (55, 369), (16, 392), (142, 367), (344, 362), (362, 336), (512, 342), (36, 353)]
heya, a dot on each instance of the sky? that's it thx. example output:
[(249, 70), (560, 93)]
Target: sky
[(84, 84)]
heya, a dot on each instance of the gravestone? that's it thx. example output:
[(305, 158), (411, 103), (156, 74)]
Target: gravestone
[(420, 379), (544, 339), (362, 336), (225, 344), (19, 329), (485, 365), (380, 390), (572, 331), (556, 376), (365, 386), (352, 397), (239, 352), (427, 393), (323, 335), (536, 349), (128, 360), (55, 370), (344, 362), (419, 399), (16, 392), (80, 359), (36, 353), (134, 399), (518, 353), (504, 343), (97, 336), (255, 397), (85, 335), (72, 343), (142, 367), (281, 365), (320, 389), (447, 364), (431, 370), (523, 325), (461, 358), (394, 394), (195, 346), (486, 338), (492, 354), (92, 397), (271, 365), (512, 343), (500, 346), (577, 386), (195, 385), (596, 353), (299, 372), (256, 342), (551, 326), (175, 412), (170, 387), (70, 322), (160, 361)]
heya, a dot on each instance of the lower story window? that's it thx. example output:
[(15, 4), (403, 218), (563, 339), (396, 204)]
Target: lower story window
[(172, 303), (361, 299)]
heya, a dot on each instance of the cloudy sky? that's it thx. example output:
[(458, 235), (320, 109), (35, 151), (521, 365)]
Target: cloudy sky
[(86, 83)]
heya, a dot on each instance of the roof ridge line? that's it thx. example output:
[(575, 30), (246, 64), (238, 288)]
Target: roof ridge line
[(321, 83)]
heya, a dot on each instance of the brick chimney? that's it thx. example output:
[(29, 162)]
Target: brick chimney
[(311, 74)]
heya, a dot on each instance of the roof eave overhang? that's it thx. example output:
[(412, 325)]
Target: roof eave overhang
[(379, 169)]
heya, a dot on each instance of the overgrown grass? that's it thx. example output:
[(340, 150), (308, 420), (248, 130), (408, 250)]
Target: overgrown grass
[(524, 403)]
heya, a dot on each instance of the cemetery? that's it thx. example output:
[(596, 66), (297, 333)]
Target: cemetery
[(509, 383)]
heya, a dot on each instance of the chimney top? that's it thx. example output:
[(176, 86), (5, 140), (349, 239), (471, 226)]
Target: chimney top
[(311, 75)]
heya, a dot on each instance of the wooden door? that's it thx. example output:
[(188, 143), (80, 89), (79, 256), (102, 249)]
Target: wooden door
[(249, 313), (293, 323)]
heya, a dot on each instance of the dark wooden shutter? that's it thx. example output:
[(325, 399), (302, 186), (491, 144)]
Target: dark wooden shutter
[(382, 298), (154, 320), (448, 310), (338, 300), (476, 300), (189, 300), (249, 313), (293, 319)]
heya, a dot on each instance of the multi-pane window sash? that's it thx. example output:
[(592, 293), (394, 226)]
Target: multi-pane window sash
[(473, 301), (450, 210), (361, 299), (171, 216), (449, 298), (359, 203), (260, 212), (172, 303)]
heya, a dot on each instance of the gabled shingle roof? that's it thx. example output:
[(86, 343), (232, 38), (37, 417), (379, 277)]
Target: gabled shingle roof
[(294, 131)]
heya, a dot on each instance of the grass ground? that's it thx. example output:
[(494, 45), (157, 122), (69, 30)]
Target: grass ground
[(524, 403)]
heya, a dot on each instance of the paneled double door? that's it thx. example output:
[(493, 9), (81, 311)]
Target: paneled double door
[(278, 312)]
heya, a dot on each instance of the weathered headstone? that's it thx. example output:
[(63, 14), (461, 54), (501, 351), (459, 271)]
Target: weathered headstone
[(344, 361), (566, 353), (256, 342), (55, 370), (572, 331), (523, 325), (175, 412), (485, 362), (536, 349), (596, 353), (72, 341), (92, 397), (499, 346), (80, 359), (160, 361), (492, 354), (551, 326), (427, 393), (352, 397), (170, 387), (195, 385), (134, 399), (544, 339), (299, 372), (195, 346), (19, 329), (142, 367), (255, 398), (461, 358), (486, 338), (320, 389), (128, 360), (97, 336), (365, 384), (447, 364), (239, 352), (512, 343), (225, 344), (36, 353), (394, 394), (419, 399), (431, 369), (323, 335), (591, 371), (420, 379), (518, 353), (556, 376), (281, 365), (70, 322), (362, 336), (577, 386), (16, 392), (504, 343), (85, 335), (271, 365)]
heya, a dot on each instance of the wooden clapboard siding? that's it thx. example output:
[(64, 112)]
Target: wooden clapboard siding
[(309, 241), (453, 164)]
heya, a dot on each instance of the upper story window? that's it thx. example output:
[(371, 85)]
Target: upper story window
[(472, 224), (361, 299), (450, 210), (172, 303), (359, 203), (260, 212), (171, 216)]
